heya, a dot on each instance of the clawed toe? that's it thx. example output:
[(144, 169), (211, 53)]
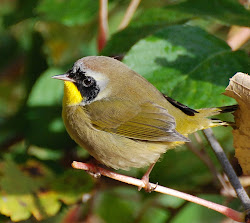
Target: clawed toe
[(147, 186)]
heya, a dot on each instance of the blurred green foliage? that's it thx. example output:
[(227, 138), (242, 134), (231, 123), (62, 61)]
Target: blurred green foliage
[(179, 46)]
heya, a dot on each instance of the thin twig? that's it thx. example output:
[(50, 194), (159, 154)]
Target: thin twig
[(103, 24), (235, 215), (129, 14), (242, 195), (238, 36)]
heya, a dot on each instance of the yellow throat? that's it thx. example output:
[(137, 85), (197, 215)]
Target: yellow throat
[(72, 95)]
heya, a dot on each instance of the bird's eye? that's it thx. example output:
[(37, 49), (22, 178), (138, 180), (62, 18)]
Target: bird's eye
[(88, 81)]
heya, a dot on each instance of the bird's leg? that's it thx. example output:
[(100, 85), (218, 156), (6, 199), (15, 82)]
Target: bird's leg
[(145, 180)]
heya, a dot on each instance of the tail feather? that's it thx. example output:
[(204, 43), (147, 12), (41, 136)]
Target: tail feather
[(190, 120), (215, 111), (209, 112), (230, 108)]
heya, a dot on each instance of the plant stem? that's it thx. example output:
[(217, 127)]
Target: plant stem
[(129, 14), (235, 215), (103, 24), (238, 37)]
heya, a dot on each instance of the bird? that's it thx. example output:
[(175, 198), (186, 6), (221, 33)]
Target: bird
[(121, 119)]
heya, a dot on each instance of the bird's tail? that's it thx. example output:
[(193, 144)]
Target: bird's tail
[(209, 112)]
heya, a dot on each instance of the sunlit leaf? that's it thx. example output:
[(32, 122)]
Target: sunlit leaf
[(145, 24), (46, 91), (187, 64), (22, 194), (228, 11)]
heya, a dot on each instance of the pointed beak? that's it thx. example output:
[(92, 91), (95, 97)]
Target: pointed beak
[(64, 77)]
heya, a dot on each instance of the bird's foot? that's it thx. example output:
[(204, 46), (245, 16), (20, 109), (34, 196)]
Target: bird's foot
[(146, 185)]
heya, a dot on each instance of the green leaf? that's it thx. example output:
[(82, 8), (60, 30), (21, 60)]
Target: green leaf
[(21, 193), (174, 171), (45, 204), (150, 20), (15, 207), (111, 207), (199, 213), (68, 12), (46, 91), (169, 201), (20, 207), (161, 16), (228, 11), (14, 181), (71, 185), (187, 64), (46, 128), (155, 215), (23, 10), (122, 41), (44, 110), (145, 24)]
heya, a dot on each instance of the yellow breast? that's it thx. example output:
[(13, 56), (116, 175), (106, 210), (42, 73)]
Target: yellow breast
[(72, 95)]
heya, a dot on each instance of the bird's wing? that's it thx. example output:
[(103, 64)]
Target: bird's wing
[(147, 121)]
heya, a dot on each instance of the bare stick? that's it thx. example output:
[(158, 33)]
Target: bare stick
[(235, 215), (242, 195), (129, 13), (103, 24), (238, 37)]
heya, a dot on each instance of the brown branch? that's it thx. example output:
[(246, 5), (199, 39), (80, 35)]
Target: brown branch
[(235, 215), (103, 25), (238, 36), (129, 14)]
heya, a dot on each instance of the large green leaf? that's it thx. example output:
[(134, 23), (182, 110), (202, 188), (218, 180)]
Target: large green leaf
[(195, 213), (150, 20), (43, 114), (32, 189), (145, 24), (46, 91), (187, 64), (21, 191), (228, 11), (68, 12), (111, 207), (14, 181)]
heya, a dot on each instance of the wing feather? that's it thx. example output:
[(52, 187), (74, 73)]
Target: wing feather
[(147, 121)]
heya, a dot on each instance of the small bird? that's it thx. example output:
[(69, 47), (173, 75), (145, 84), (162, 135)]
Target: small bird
[(121, 119)]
